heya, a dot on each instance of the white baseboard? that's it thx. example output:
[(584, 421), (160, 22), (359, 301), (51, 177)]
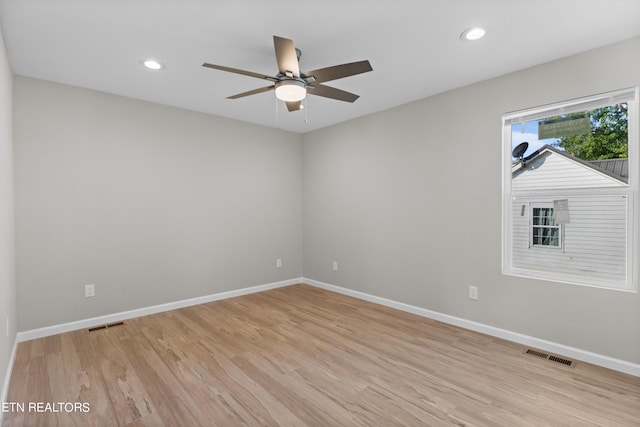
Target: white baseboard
[(552, 347), (124, 315), (7, 378)]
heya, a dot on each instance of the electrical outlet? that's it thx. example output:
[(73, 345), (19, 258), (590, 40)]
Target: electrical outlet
[(335, 266), (473, 292), (89, 291), (279, 263)]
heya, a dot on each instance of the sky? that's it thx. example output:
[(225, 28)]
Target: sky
[(529, 135)]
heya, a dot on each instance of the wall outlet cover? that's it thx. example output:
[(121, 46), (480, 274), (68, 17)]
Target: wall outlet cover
[(89, 291)]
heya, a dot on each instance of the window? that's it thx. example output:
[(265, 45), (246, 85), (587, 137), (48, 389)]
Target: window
[(570, 183), (544, 230)]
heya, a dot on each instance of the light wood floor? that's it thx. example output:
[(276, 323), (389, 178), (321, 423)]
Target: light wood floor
[(301, 356)]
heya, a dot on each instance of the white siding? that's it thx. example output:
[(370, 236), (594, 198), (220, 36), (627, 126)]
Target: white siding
[(594, 243), (552, 170)]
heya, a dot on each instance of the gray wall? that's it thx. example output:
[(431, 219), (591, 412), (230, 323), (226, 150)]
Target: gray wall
[(155, 204), (151, 204), (7, 229), (408, 201)]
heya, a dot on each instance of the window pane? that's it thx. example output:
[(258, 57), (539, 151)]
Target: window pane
[(546, 236), (543, 216), (576, 153), (591, 135)]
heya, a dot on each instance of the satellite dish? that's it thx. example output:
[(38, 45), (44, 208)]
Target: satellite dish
[(520, 149)]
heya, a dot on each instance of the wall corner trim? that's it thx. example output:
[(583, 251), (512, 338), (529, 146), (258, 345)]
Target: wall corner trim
[(144, 311), (7, 378), (572, 352)]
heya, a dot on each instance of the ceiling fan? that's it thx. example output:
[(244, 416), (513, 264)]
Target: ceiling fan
[(291, 85)]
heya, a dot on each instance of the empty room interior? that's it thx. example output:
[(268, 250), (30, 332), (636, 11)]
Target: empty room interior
[(411, 213)]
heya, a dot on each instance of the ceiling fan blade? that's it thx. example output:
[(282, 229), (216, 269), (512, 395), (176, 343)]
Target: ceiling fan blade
[(339, 71), (237, 71), (294, 105), (332, 92), (286, 56), (252, 92)]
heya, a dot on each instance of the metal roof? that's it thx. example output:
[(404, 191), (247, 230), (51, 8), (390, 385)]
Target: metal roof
[(617, 167)]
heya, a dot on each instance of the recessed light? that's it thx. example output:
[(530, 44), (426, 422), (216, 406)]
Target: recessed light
[(473, 33), (152, 64)]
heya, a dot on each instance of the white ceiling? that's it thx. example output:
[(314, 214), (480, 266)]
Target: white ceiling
[(413, 46)]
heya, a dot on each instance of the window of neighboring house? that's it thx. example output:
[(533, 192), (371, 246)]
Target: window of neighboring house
[(544, 230), (570, 183)]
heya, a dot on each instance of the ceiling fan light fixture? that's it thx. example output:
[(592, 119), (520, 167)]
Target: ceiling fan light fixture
[(291, 90), (473, 33)]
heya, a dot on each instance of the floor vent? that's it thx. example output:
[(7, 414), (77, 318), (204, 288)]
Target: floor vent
[(561, 360), (537, 353), (110, 325), (551, 357)]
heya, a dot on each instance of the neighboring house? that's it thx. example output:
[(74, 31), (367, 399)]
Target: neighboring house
[(569, 215)]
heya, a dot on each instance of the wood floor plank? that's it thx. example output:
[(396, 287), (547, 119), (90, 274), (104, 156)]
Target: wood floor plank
[(127, 394), (302, 356)]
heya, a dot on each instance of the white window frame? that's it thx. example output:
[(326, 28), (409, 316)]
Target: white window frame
[(631, 97), (532, 244)]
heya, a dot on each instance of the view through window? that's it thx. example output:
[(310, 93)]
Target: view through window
[(569, 190)]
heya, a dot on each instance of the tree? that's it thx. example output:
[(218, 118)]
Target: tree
[(608, 138)]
